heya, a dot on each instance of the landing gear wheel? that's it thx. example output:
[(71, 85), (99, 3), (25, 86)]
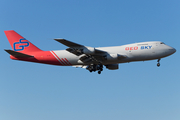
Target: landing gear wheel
[(95, 67), (101, 69), (158, 64)]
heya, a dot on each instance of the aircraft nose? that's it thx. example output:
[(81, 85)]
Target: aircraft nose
[(173, 50)]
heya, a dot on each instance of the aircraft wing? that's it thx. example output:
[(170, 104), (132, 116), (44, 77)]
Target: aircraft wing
[(79, 49), (87, 54)]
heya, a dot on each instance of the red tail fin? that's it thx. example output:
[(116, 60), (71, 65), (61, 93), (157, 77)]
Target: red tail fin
[(19, 43)]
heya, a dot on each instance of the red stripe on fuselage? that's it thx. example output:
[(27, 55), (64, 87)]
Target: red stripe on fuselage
[(68, 61), (61, 60), (58, 58), (64, 61)]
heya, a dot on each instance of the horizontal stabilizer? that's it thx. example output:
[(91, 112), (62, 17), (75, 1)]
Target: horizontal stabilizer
[(17, 54)]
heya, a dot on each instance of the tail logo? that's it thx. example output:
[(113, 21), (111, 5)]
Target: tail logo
[(19, 46)]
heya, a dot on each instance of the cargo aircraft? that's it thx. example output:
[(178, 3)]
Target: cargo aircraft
[(91, 58)]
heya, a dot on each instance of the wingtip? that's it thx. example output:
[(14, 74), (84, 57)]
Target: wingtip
[(59, 39)]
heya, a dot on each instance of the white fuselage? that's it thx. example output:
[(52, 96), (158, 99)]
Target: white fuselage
[(134, 52), (93, 59)]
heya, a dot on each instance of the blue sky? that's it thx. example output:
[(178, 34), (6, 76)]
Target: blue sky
[(137, 91)]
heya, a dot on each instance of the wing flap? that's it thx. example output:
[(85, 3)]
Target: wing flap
[(86, 59), (74, 51)]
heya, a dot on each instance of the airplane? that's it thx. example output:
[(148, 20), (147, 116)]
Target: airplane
[(91, 58)]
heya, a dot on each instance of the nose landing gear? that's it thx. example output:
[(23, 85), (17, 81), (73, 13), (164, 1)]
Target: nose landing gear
[(158, 64)]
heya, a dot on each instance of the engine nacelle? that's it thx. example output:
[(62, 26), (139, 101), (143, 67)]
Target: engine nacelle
[(89, 50), (112, 66), (112, 56)]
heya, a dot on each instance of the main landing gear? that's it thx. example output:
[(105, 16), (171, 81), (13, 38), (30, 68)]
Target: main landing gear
[(95, 67), (158, 64)]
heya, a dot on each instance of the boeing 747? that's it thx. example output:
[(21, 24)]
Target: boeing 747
[(91, 58)]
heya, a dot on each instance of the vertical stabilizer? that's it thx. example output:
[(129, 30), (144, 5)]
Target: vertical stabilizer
[(19, 43)]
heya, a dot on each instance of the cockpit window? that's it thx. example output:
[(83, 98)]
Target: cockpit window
[(162, 43)]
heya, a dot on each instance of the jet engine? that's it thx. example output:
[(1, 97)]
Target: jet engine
[(112, 56), (112, 66), (89, 50)]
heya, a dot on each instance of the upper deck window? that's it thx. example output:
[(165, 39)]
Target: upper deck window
[(141, 44)]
